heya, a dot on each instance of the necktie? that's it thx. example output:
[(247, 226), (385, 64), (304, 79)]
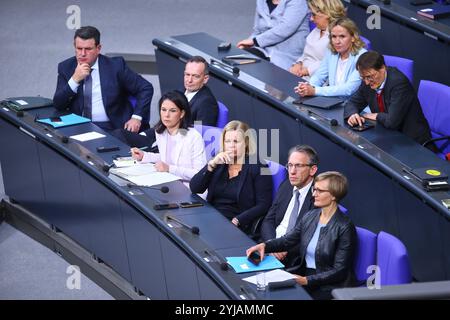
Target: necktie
[(380, 101), (294, 212), (87, 108)]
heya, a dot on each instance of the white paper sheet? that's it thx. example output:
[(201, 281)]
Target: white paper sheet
[(153, 179), (272, 276), (88, 136)]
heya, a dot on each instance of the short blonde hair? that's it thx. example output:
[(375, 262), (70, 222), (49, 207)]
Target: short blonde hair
[(333, 9), (337, 183), (351, 27), (236, 125)]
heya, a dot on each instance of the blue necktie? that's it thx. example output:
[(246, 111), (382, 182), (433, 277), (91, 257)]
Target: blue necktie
[(294, 212), (87, 108)]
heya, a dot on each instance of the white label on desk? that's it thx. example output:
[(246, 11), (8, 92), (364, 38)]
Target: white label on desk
[(6, 109), (360, 146), (49, 135), (430, 36), (206, 259), (313, 118), (91, 163), (407, 178), (230, 83), (413, 18), (21, 102), (167, 42), (243, 297), (170, 226)]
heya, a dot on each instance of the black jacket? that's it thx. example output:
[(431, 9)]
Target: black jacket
[(335, 249), (204, 107), (254, 194), (276, 214), (402, 108)]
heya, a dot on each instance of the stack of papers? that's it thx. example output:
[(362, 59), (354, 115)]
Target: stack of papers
[(241, 264), (144, 175), (273, 276), (88, 136)]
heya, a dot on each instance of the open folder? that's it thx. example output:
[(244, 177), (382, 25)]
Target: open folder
[(64, 121), (242, 264)]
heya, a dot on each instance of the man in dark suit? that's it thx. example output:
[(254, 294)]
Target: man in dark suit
[(293, 199), (204, 107), (99, 87), (392, 100)]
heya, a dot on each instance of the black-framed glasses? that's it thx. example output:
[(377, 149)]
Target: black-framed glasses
[(297, 166), (317, 190), (370, 77)]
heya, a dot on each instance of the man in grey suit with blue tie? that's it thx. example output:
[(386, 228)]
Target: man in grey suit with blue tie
[(99, 87), (293, 199)]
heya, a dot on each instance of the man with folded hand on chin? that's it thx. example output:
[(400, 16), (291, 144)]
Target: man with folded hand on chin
[(98, 87)]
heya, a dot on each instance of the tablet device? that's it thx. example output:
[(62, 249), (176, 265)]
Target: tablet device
[(323, 102), (365, 126)]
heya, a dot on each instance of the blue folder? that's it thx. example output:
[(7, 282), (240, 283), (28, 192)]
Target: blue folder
[(68, 120), (242, 264)]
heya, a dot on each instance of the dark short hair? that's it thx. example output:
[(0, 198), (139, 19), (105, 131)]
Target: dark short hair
[(308, 150), (370, 60), (199, 59), (88, 32), (337, 183), (180, 100)]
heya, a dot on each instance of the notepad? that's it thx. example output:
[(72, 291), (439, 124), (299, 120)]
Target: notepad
[(241, 264), (67, 120)]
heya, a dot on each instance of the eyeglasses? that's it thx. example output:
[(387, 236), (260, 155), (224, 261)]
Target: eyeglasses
[(318, 191), (368, 78), (297, 166)]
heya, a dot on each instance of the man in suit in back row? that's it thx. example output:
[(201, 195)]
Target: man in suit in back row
[(293, 199), (204, 107), (391, 98), (99, 87)]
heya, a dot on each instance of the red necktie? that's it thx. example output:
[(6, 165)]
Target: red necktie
[(380, 101)]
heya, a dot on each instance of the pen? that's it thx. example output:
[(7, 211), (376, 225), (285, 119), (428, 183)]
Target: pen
[(142, 148)]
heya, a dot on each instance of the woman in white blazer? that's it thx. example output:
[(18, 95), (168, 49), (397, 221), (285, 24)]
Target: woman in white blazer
[(181, 148), (337, 74)]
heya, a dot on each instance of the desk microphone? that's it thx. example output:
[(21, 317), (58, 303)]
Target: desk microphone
[(234, 70), (194, 229), (163, 189), (333, 122), (65, 139)]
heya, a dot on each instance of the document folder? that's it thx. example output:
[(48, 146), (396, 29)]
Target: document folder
[(242, 264), (68, 120), (27, 103)]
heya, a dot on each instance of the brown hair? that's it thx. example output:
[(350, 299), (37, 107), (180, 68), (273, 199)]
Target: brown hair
[(337, 183)]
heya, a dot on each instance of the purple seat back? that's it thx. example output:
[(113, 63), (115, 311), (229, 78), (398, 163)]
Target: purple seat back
[(211, 137), (222, 118), (406, 66), (367, 42), (365, 253), (392, 260), (278, 175), (312, 25), (434, 98)]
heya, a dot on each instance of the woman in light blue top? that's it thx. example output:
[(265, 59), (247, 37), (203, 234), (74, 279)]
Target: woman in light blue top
[(337, 74), (279, 31)]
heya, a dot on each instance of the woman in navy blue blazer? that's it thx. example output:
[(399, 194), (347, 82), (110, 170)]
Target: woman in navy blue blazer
[(237, 184)]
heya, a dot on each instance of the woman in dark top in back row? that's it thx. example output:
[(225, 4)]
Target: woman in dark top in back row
[(237, 185)]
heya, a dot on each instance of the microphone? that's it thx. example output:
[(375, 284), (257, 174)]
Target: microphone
[(65, 139), (224, 266), (282, 284), (333, 122), (227, 67), (163, 189), (194, 229)]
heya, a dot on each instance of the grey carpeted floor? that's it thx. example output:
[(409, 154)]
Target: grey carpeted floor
[(34, 38)]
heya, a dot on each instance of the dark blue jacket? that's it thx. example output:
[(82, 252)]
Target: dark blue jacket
[(118, 82)]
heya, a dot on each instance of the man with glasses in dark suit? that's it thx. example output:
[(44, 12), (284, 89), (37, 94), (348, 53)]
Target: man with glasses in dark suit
[(293, 199)]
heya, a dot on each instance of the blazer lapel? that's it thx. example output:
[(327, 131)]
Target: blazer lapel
[(244, 172)]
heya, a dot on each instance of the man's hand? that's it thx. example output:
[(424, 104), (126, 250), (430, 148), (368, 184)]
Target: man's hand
[(133, 125), (247, 43), (81, 72), (304, 89), (355, 120)]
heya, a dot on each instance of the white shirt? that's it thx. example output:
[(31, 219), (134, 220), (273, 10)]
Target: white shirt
[(340, 71), (98, 108), (315, 49), (190, 95), (282, 227)]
